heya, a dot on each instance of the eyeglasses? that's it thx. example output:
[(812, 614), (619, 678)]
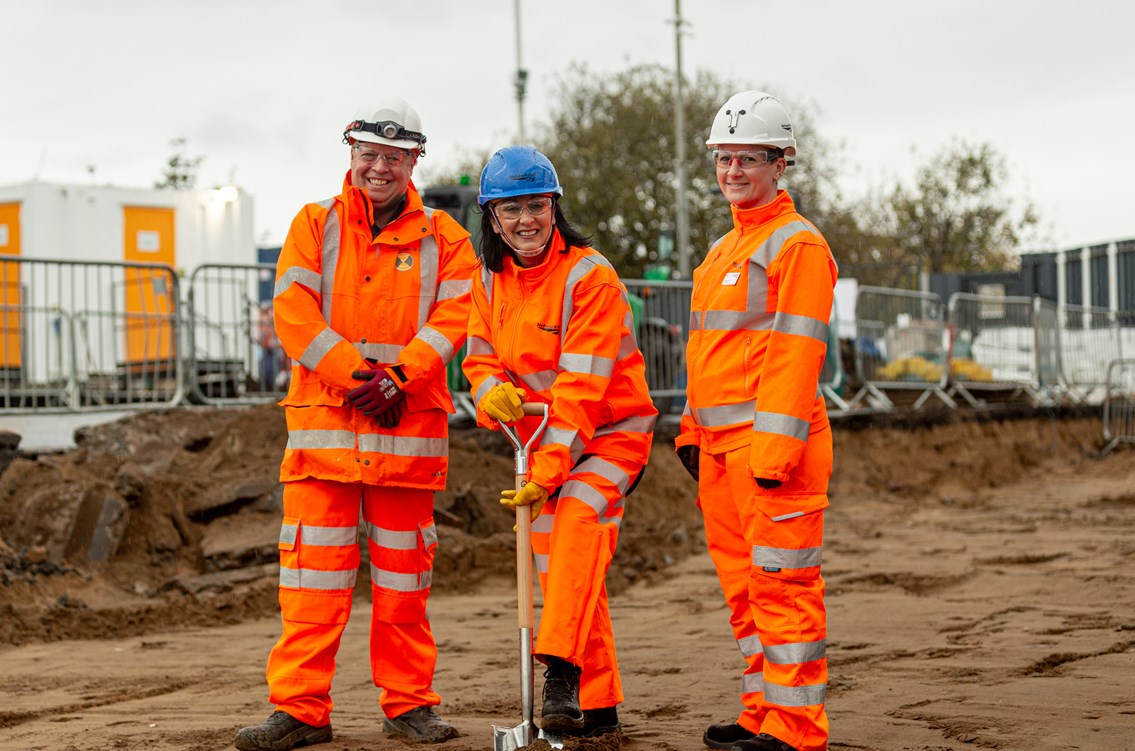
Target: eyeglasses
[(748, 159), (515, 209), (392, 159)]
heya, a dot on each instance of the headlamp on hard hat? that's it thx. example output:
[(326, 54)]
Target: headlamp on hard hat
[(386, 129)]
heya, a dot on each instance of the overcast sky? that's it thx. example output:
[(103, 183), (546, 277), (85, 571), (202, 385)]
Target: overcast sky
[(263, 88)]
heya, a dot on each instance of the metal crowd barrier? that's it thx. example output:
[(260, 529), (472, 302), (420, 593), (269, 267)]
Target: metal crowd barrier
[(78, 335), (663, 318), (1090, 339), (1119, 404), (899, 348)]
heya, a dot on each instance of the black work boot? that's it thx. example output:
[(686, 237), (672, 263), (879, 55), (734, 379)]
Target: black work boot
[(763, 742), (421, 724), (598, 722), (725, 734), (280, 732), (561, 696)]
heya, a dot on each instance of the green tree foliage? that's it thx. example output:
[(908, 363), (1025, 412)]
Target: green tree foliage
[(180, 171)]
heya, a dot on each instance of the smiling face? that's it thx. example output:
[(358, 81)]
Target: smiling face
[(747, 187), (384, 183), (525, 223)]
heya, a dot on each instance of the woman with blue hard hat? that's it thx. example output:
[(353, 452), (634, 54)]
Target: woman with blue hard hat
[(551, 323)]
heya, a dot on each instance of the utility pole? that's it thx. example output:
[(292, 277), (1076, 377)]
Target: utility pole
[(521, 80), (681, 229)]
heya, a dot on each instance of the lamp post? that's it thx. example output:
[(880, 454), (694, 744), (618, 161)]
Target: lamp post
[(520, 82), (681, 219)]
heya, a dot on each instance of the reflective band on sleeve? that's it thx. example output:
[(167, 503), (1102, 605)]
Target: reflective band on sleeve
[(475, 345), (633, 424), (607, 471), (401, 445), (795, 696), (393, 539), (320, 439), (588, 364), (296, 275), (539, 381), (801, 326), (308, 578), (288, 534), (453, 288), (752, 683), (781, 558), (486, 385), (627, 346), (541, 562), (786, 425), (725, 414), (384, 353), (400, 582), (326, 537), (487, 281), (750, 645), (794, 654), (323, 342), (561, 437), (438, 343)]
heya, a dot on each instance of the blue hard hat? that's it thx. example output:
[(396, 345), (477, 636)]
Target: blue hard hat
[(517, 171)]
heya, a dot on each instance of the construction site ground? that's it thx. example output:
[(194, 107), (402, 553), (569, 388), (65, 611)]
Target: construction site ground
[(978, 569)]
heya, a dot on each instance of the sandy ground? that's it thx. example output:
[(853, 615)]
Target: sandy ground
[(978, 589)]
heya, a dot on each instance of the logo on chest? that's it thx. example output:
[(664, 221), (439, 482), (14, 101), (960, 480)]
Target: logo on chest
[(548, 327), (403, 262)]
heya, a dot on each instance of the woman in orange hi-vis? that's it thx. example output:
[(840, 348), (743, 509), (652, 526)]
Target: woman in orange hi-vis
[(551, 323), (371, 303), (755, 432)]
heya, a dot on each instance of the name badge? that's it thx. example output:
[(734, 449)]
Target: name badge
[(730, 279)]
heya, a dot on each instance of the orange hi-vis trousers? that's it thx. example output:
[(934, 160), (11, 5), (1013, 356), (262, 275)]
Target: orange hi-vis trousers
[(319, 560), (573, 541), (769, 569)]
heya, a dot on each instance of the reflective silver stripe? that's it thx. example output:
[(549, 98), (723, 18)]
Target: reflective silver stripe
[(632, 424), (475, 345), (628, 345), (427, 270), (589, 364), (770, 248), (392, 539), (484, 388), (786, 425), (786, 557), (687, 411), (725, 414), (323, 343), (607, 471), (544, 523), (320, 439), (308, 578), (402, 445), (750, 645), (582, 267), (438, 343), (737, 320), (429, 534), (452, 288), (329, 537), (400, 582), (752, 683), (539, 381), (628, 324), (582, 491), (384, 353), (296, 275), (562, 437), (801, 326), (487, 281), (786, 517), (795, 696), (541, 561), (330, 253), (796, 653), (288, 533)]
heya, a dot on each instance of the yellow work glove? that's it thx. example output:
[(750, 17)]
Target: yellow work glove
[(503, 403), (532, 495)]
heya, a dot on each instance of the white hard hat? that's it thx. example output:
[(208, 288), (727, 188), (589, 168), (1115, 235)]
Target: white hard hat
[(753, 117), (391, 121)]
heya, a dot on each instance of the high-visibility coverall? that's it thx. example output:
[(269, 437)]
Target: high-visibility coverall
[(563, 332), (759, 316), (345, 300)]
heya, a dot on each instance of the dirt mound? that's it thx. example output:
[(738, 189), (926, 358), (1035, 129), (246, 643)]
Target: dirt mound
[(169, 519)]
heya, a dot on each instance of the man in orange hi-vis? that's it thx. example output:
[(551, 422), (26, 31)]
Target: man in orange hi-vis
[(551, 323), (371, 303), (755, 432)]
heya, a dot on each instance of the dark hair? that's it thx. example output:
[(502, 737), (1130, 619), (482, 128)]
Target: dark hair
[(494, 248)]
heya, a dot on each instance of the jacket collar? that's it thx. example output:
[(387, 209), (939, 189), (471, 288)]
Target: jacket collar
[(410, 225), (748, 220)]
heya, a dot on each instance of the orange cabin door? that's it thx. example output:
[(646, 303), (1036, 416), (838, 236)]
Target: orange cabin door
[(11, 342), (148, 235)]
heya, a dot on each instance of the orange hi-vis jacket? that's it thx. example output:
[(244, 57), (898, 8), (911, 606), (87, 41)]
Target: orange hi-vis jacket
[(759, 318), (547, 329), (343, 297)]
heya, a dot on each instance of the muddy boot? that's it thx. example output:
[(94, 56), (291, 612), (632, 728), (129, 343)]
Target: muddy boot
[(726, 734), (763, 742), (280, 732), (561, 696), (421, 724), (598, 722)]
